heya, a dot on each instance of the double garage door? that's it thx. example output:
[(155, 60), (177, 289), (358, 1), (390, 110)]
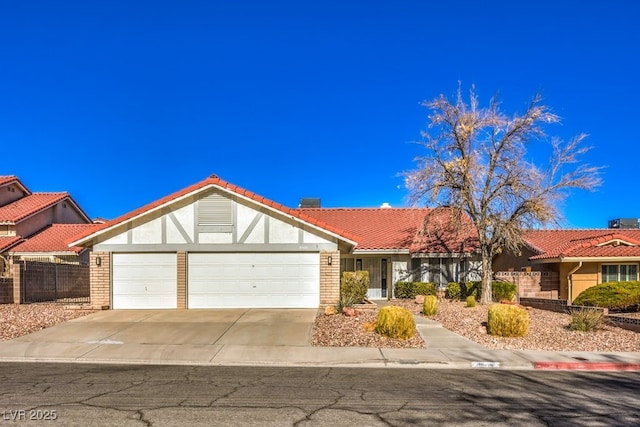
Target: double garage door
[(220, 280)]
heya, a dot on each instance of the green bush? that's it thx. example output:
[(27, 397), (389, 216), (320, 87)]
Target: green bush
[(471, 301), (454, 291), (409, 290), (395, 322), (503, 291), (430, 306), (616, 296), (354, 286), (345, 301), (507, 321), (472, 289), (586, 319), (424, 288)]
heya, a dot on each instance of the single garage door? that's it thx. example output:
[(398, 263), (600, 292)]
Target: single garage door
[(271, 280), (145, 280)]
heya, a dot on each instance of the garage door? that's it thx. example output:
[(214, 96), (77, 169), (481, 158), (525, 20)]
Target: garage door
[(273, 280), (145, 281)]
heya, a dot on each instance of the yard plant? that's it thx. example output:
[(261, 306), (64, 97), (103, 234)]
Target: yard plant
[(507, 320), (409, 290), (395, 322), (586, 319), (354, 286), (616, 296), (430, 306)]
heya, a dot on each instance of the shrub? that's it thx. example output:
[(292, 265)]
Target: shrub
[(345, 301), (586, 319), (471, 301), (454, 291), (395, 322), (472, 289), (409, 290), (430, 306), (354, 286), (403, 290), (503, 291), (507, 321), (423, 288), (617, 296)]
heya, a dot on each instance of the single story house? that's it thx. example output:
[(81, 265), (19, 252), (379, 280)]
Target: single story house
[(579, 258), (214, 244)]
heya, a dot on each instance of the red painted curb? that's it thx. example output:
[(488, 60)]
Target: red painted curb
[(588, 366)]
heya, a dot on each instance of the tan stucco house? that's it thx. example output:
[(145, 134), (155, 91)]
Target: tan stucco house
[(578, 258)]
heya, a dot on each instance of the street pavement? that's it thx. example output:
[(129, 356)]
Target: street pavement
[(263, 337)]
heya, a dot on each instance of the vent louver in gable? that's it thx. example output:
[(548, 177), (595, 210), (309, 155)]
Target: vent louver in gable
[(215, 214)]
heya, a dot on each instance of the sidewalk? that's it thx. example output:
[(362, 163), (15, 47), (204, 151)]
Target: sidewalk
[(445, 350)]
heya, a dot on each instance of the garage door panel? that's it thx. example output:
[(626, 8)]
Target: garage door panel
[(279, 280), (147, 281)]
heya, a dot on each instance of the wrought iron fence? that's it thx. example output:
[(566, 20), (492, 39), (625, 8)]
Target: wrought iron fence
[(54, 282)]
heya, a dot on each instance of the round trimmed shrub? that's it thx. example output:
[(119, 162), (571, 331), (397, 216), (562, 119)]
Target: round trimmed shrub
[(454, 291), (471, 301), (507, 321), (395, 322), (616, 296)]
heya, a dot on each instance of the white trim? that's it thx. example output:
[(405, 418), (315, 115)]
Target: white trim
[(200, 190)]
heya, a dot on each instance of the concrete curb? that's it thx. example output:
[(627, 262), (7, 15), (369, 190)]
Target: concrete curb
[(587, 366)]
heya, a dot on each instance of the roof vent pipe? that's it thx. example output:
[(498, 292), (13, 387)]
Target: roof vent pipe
[(385, 205)]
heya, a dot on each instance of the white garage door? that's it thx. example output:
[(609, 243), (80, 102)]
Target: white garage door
[(273, 280), (145, 281)]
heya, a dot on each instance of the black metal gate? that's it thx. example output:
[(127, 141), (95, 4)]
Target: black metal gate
[(51, 282)]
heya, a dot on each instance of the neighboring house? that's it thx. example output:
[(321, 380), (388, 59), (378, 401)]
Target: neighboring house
[(577, 258), (214, 244), (24, 215)]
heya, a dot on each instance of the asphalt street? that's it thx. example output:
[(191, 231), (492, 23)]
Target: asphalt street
[(138, 395)]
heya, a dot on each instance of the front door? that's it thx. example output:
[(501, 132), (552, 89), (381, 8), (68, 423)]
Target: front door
[(383, 277)]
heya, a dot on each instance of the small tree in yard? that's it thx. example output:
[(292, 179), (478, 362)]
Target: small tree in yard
[(476, 165)]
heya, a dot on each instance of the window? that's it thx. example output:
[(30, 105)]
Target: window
[(619, 272), (358, 264)]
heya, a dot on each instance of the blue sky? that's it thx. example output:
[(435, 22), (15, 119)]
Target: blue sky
[(121, 103)]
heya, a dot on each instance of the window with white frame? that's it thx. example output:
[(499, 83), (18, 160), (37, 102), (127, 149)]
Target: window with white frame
[(619, 272)]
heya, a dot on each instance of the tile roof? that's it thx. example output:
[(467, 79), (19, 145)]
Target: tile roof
[(7, 241), (28, 205), (418, 230), (54, 238), (583, 243), (4, 179), (214, 181)]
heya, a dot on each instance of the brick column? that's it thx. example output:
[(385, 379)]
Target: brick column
[(182, 280), (100, 278), (17, 273), (329, 278)]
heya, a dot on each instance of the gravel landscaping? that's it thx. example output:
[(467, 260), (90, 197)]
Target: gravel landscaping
[(22, 319), (548, 331)]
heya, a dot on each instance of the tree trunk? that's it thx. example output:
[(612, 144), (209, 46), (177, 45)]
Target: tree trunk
[(487, 278)]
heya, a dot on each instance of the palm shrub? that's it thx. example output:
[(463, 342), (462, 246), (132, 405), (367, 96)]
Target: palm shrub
[(586, 319), (430, 306), (471, 301), (395, 322), (507, 321), (354, 286), (617, 296)]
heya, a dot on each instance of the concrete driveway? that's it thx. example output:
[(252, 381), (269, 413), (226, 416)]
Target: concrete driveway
[(180, 335)]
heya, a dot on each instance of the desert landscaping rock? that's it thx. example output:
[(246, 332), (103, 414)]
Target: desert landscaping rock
[(17, 320), (548, 331)]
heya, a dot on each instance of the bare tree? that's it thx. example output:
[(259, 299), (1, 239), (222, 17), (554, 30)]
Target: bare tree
[(476, 164)]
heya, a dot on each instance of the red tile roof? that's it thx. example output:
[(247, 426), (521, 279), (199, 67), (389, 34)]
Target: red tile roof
[(28, 205), (583, 243), (418, 230), (54, 238), (217, 182), (8, 241), (4, 179)]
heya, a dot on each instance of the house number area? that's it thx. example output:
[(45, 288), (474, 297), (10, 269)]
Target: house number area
[(29, 415)]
